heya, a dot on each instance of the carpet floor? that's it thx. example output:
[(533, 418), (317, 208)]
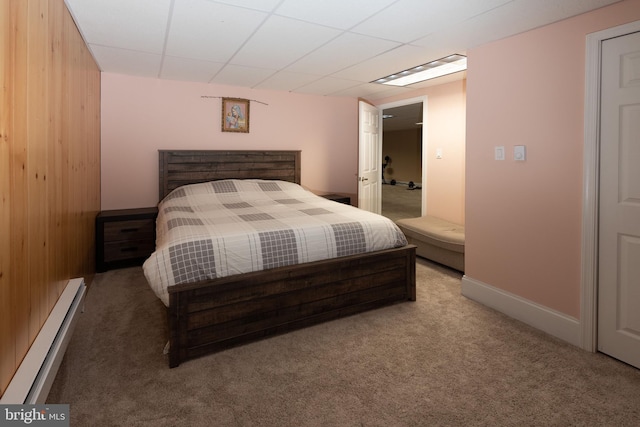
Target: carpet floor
[(440, 361), (399, 202)]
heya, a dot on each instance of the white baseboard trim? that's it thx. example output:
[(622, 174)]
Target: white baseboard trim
[(33, 379), (540, 317)]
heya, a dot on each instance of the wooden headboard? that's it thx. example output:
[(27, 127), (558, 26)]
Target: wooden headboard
[(181, 167)]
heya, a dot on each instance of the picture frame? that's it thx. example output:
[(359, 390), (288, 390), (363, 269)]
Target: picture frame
[(235, 115)]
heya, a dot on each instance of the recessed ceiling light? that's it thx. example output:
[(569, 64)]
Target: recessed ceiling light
[(438, 68)]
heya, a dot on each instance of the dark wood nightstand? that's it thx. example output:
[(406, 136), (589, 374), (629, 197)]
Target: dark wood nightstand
[(124, 237), (340, 198)]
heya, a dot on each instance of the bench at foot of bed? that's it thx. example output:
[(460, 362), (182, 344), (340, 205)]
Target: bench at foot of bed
[(436, 239)]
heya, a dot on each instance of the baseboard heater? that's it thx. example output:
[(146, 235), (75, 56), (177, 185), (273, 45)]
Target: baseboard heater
[(33, 379)]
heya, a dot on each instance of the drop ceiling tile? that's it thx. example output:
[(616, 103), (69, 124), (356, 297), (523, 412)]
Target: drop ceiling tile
[(408, 20), (341, 53), (505, 21), (461, 37), (401, 58), (280, 41), (333, 13), (124, 61), (551, 11), (371, 91), (210, 31), (287, 81), (263, 5), (237, 75), (307, 36), (193, 70), (135, 25), (326, 86)]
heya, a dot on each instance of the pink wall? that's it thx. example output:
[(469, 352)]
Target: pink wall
[(446, 115), (523, 221), (142, 115)]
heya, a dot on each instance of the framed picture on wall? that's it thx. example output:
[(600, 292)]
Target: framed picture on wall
[(235, 115)]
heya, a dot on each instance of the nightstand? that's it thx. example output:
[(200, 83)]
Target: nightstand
[(340, 198), (124, 237)]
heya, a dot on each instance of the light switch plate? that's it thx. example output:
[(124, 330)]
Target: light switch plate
[(519, 153), (499, 153)]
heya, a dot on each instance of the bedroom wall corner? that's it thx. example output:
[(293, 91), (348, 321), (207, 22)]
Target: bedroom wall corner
[(554, 323)]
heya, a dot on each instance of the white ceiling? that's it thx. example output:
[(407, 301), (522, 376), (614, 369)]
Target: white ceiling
[(322, 47)]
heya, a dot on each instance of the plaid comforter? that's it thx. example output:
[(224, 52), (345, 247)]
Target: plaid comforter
[(221, 228)]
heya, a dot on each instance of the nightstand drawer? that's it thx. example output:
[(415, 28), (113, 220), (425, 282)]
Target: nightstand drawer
[(124, 237), (129, 230), (127, 249)]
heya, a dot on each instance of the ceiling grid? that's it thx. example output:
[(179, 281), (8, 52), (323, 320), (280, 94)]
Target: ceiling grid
[(329, 47)]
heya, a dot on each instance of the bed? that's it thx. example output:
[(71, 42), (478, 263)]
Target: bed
[(258, 294)]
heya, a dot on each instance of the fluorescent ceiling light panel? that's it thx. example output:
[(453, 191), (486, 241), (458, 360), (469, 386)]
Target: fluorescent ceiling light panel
[(449, 65)]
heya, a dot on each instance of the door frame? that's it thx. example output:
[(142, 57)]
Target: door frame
[(591, 184), (401, 103)]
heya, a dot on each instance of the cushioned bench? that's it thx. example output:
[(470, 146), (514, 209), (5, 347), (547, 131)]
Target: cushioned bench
[(436, 239)]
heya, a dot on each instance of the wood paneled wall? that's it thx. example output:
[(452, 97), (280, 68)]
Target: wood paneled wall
[(49, 167)]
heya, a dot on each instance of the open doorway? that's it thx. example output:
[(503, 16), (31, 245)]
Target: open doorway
[(402, 159)]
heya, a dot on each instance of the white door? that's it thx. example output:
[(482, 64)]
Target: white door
[(619, 223), (370, 158)]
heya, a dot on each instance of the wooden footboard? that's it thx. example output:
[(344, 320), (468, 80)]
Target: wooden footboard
[(209, 316)]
